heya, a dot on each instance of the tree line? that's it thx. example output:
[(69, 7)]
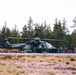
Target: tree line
[(30, 30)]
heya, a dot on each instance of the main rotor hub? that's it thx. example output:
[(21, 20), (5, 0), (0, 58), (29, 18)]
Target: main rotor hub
[(37, 39)]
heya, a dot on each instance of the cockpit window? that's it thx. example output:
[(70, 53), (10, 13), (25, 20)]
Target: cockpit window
[(47, 45)]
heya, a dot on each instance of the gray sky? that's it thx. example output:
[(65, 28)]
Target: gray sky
[(18, 11)]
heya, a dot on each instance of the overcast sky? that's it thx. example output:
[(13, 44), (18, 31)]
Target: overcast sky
[(18, 11)]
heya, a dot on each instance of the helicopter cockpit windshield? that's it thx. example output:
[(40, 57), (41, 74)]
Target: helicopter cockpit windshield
[(47, 45)]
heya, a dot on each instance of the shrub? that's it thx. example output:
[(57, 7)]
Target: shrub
[(72, 59), (67, 62)]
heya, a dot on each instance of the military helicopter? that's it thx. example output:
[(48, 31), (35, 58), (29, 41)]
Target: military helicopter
[(35, 45)]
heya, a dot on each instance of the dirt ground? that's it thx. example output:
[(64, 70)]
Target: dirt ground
[(37, 65)]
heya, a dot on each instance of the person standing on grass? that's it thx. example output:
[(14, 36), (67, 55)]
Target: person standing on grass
[(74, 49)]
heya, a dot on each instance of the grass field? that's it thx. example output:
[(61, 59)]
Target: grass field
[(37, 65)]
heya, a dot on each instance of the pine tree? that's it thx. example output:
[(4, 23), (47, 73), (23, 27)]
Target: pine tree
[(27, 30), (24, 31), (15, 33), (5, 32), (57, 32), (64, 27), (39, 30)]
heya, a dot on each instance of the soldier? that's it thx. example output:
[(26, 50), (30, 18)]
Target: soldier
[(60, 50), (65, 49), (74, 49)]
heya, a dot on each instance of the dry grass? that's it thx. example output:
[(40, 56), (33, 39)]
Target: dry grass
[(33, 61), (9, 70), (52, 73)]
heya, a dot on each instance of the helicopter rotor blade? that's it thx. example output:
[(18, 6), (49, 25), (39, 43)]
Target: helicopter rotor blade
[(36, 38), (17, 38), (53, 40)]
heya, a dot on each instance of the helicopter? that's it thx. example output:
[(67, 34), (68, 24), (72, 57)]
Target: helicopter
[(35, 45)]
